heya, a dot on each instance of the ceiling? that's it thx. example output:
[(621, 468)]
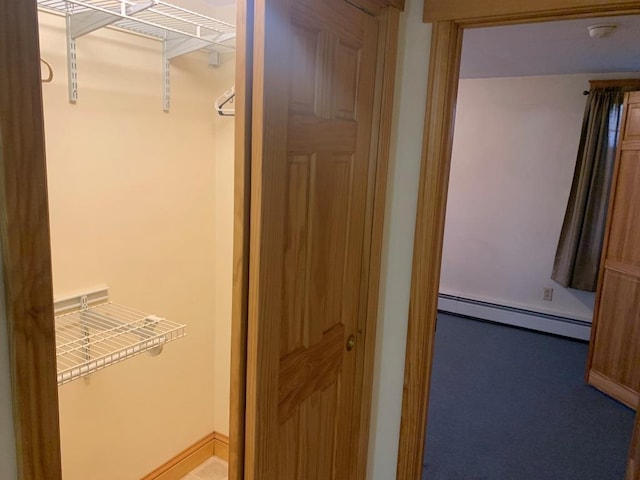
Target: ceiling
[(551, 48)]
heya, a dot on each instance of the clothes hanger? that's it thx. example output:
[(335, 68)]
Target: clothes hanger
[(49, 77), (228, 97)]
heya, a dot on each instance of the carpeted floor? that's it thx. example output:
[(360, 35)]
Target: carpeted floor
[(509, 404)]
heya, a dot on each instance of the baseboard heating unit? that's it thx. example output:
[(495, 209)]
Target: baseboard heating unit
[(518, 317)]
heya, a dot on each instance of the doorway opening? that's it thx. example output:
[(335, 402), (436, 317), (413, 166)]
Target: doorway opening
[(139, 129), (507, 402), (445, 63)]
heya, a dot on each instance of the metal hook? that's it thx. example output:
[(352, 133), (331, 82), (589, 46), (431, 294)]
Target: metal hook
[(49, 77), (228, 97)]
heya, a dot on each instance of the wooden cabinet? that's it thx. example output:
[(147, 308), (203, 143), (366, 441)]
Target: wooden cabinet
[(614, 355)]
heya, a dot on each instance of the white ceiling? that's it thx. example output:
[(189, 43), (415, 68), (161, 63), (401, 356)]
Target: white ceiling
[(551, 48)]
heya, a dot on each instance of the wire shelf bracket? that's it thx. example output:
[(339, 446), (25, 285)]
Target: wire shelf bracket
[(181, 31), (93, 333)]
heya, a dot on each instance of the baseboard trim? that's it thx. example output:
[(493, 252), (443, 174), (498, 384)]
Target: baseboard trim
[(213, 444), (221, 446), (518, 317), (613, 389)]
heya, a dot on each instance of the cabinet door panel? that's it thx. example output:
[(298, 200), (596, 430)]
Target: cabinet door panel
[(614, 353), (624, 239)]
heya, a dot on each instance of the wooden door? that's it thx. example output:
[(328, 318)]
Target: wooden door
[(614, 355), (312, 184)]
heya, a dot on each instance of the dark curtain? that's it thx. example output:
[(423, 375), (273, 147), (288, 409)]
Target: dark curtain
[(578, 256)]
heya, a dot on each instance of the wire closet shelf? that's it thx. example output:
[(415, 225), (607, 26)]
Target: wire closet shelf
[(181, 31), (153, 18), (96, 337)]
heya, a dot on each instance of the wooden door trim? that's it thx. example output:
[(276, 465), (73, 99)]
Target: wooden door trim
[(241, 229), (477, 13), (450, 19), (266, 92), (385, 87), (446, 46), (26, 251), (625, 82)]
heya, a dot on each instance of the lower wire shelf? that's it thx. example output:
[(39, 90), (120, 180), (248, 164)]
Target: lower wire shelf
[(95, 337)]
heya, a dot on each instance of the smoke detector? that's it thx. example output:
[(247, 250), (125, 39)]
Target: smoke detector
[(601, 31)]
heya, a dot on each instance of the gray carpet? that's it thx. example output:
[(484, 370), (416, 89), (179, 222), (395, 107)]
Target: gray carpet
[(512, 404)]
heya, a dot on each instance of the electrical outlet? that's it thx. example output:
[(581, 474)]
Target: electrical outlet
[(547, 294)]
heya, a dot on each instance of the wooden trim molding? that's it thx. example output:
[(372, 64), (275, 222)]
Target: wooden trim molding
[(241, 229), (221, 446), (619, 267), (446, 47), (261, 392), (450, 18), (26, 252), (614, 389), (628, 83), (490, 11), (186, 461), (385, 86)]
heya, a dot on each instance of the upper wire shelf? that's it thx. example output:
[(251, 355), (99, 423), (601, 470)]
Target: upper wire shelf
[(180, 30), (97, 336), (153, 18)]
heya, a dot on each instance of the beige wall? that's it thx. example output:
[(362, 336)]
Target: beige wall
[(140, 200), (404, 169), (221, 10)]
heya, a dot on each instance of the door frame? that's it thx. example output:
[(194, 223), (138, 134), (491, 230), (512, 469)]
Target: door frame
[(26, 248), (251, 117), (449, 21)]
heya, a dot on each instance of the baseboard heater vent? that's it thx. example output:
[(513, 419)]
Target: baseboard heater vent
[(518, 317)]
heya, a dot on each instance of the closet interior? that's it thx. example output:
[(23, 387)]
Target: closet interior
[(137, 99)]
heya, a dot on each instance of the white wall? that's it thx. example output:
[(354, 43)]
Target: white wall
[(404, 170), (514, 153), (8, 467)]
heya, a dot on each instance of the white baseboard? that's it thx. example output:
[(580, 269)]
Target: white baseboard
[(518, 317)]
